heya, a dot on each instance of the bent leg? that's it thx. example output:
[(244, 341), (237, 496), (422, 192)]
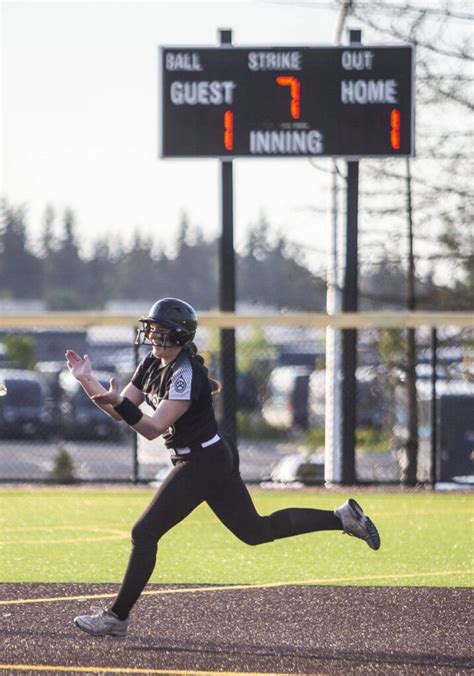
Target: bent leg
[(233, 506), (181, 492)]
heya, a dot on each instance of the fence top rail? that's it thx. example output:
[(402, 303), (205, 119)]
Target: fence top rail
[(342, 320)]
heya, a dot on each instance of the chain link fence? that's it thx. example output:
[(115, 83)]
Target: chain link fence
[(50, 431)]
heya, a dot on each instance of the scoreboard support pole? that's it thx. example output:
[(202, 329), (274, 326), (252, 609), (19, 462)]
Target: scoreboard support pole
[(350, 304), (227, 287)]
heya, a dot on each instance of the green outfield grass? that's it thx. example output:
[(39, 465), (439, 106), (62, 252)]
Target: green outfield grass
[(82, 535)]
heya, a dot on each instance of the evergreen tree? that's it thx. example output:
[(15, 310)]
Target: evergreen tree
[(48, 246), (47, 235), (65, 284), (100, 274), (193, 271), (275, 275), (136, 270), (20, 270)]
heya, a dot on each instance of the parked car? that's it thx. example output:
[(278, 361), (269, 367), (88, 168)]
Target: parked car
[(370, 402), (297, 398), (286, 404), (79, 417), (24, 405)]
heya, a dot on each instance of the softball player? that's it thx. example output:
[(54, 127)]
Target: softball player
[(174, 381)]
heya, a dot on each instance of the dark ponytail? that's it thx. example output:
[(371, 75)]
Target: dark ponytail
[(193, 351)]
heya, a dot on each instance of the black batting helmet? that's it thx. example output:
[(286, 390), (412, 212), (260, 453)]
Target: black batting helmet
[(174, 314)]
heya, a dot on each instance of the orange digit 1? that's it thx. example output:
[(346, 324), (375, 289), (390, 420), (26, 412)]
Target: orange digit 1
[(395, 129), (229, 130), (294, 84)]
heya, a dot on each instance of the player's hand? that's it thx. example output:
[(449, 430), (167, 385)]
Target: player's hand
[(79, 367), (112, 396)]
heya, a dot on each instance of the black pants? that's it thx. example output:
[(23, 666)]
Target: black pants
[(211, 476)]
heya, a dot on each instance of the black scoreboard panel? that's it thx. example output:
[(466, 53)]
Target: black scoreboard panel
[(225, 102)]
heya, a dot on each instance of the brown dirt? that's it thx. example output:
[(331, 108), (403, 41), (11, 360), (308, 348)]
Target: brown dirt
[(292, 630)]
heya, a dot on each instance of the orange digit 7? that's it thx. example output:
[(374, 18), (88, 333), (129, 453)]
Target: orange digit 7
[(294, 84)]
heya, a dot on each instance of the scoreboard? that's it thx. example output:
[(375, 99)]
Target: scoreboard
[(225, 102)]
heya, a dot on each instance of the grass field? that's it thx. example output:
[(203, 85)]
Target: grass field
[(82, 535)]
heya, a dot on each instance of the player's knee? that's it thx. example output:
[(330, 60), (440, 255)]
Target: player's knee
[(254, 537), (256, 531), (142, 537)]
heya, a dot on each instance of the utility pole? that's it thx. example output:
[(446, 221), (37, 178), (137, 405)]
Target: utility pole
[(410, 468), (333, 417)]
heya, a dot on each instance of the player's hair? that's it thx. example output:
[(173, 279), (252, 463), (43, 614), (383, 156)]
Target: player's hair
[(193, 351)]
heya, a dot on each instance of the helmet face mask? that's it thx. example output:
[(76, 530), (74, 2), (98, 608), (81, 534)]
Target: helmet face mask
[(177, 319), (151, 334)]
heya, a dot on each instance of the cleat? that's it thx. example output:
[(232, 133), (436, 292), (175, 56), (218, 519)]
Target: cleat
[(104, 623), (356, 523)]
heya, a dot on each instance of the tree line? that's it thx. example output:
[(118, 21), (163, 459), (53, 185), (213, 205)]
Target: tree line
[(269, 270), (59, 274)]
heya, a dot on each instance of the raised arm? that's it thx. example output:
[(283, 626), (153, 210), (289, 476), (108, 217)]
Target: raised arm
[(81, 369)]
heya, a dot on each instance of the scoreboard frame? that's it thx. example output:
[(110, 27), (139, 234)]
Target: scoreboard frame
[(230, 102)]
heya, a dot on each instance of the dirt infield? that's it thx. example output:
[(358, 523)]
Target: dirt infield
[(268, 629)]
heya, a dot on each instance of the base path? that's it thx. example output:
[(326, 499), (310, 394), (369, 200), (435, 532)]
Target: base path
[(248, 629)]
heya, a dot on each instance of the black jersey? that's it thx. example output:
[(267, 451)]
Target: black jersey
[(183, 379)]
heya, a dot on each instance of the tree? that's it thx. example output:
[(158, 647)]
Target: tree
[(194, 270), (20, 270), (442, 189), (62, 471), (47, 236), (101, 274), (64, 286), (275, 274), (430, 196), (48, 244), (137, 272), (20, 350)]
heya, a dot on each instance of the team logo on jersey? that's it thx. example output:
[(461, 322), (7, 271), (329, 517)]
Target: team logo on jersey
[(180, 384)]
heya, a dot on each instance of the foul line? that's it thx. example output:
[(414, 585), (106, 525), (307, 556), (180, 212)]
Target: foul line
[(132, 670), (239, 587), (104, 534)]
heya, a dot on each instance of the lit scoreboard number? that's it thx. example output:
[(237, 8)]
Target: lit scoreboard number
[(225, 102)]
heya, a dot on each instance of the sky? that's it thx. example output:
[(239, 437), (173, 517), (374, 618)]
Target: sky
[(80, 120)]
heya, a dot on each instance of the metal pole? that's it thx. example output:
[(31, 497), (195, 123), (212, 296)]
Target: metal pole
[(434, 406), (332, 424), (409, 474), (333, 417), (135, 466), (349, 304), (227, 286)]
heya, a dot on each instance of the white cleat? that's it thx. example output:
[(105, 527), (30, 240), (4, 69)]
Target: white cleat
[(356, 523), (105, 623)]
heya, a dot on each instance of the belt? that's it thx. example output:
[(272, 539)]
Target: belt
[(198, 446)]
